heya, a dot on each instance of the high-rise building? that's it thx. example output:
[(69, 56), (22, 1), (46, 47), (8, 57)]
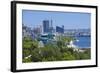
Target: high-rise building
[(60, 29), (51, 30), (46, 26)]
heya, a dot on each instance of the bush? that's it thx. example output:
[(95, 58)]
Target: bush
[(68, 56), (36, 56), (85, 55), (26, 52), (28, 60)]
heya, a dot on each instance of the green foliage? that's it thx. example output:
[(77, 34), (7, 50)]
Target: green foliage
[(85, 55), (52, 58), (68, 56), (26, 52), (27, 60), (51, 52), (36, 56), (27, 42), (76, 55)]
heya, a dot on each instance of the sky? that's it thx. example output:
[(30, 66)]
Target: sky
[(70, 20)]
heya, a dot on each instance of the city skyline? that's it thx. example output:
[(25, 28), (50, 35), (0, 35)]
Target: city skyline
[(70, 20)]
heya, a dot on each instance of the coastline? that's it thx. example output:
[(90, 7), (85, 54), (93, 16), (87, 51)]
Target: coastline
[(76, 48)]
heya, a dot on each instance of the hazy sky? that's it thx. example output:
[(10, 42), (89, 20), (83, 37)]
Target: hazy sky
[(70, 20)]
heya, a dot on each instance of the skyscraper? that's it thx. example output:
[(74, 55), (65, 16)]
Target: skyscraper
[(46, 26), (51, 27)]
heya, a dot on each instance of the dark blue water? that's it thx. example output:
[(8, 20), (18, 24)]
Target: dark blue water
[(83, 42)]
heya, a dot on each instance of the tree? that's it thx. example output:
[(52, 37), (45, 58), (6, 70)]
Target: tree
[(67, 56), (86, 54), (28, 46)]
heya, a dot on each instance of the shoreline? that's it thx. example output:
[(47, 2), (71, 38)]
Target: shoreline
[(76, 48), (72, 43)]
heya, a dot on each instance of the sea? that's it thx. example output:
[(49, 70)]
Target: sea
[(83, 42)]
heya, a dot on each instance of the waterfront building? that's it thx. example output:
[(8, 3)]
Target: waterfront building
[(60, 29), (77, 32)]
